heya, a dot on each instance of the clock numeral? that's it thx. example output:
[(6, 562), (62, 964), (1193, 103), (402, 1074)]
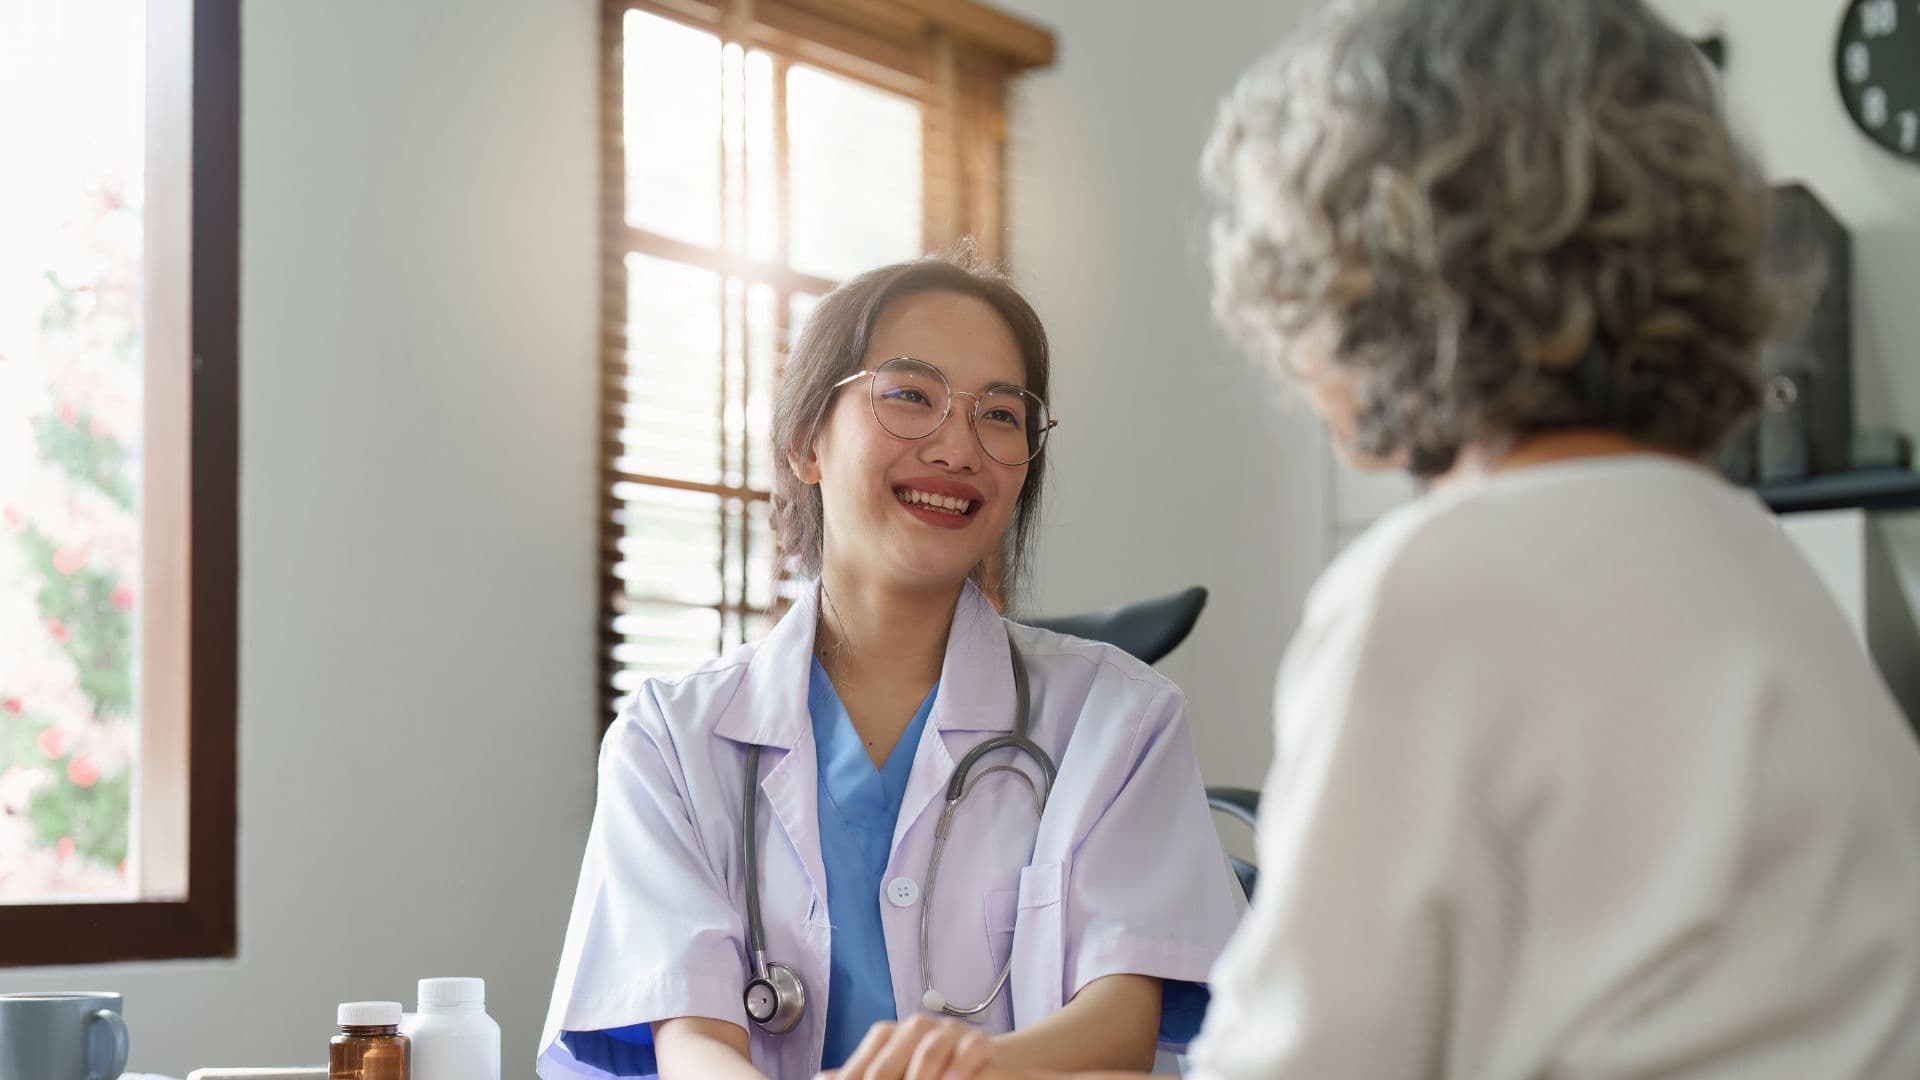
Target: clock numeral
[(1910, 131), (1879, 18), (1873, 107), (1859, 62)]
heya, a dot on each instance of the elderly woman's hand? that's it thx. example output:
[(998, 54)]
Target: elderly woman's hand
[(921, 1048)]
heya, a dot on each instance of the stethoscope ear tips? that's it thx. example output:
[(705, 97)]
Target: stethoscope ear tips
[(933, 1001)]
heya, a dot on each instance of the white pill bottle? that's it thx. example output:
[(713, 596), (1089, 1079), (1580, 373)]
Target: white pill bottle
[(453, 1037)]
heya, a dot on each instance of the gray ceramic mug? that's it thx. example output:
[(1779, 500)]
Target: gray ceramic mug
[(62, 1036)]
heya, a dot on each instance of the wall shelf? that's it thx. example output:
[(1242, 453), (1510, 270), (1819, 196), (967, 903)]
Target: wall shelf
[(1862, 489)]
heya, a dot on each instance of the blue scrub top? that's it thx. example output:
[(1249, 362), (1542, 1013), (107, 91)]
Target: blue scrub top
[(859, 805)]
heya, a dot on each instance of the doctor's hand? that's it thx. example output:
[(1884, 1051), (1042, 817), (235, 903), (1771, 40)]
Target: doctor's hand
[(920, 1048)]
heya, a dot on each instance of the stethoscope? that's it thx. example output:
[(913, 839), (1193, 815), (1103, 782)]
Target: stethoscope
[(775, 996)]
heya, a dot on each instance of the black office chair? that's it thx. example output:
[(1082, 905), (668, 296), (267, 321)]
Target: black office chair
[(1145, 629), (1148, 630), (1242, 805)]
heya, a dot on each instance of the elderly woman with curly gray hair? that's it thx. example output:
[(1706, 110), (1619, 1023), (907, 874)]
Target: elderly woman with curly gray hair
[(1580, 772)]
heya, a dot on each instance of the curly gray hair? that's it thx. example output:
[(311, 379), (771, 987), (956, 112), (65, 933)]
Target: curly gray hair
[(1510, 216)]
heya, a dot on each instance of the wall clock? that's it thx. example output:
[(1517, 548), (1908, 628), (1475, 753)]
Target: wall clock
[(1877, 61)]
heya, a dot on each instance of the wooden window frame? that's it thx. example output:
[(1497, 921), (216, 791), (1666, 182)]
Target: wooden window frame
[(186, 821), (953, 57)]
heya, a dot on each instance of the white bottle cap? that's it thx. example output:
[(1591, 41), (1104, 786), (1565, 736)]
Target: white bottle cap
[(369, 1014), (451, 991)]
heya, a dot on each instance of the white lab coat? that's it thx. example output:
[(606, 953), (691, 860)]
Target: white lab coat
[(1124, 875)]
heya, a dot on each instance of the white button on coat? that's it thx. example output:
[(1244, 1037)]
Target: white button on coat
[(903, 892)]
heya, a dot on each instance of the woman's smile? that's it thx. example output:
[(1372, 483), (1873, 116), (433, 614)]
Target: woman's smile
[(944, 504)]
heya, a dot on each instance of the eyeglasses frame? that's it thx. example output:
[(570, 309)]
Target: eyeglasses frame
[(973, 413)]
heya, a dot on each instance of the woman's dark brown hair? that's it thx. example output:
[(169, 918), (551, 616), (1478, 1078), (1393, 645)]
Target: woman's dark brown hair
[(832, 347)]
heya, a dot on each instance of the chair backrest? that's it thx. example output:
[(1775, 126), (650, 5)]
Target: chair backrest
[(1242, 805), (1145, 629)]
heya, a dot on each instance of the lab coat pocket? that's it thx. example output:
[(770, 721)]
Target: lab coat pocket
[(1039, 944), (1002, 906)]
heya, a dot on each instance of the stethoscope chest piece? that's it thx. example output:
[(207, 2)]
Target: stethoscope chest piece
[(776, 1000)]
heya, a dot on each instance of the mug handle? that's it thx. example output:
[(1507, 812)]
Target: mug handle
[(119, 1027)]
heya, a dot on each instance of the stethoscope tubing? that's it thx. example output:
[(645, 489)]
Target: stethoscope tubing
[(958, 787)]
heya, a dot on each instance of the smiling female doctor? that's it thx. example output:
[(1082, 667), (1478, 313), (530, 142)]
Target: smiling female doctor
[(778, 859)]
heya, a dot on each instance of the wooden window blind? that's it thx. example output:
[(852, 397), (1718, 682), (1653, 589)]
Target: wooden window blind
[(756, 153)]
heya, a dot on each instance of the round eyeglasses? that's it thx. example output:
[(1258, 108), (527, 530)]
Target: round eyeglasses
[(911, 399)]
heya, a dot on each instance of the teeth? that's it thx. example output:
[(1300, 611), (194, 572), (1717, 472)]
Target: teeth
[(936, 502)]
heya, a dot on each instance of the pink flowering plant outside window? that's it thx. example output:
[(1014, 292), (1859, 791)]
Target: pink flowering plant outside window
[(70, 432), (119, 480)]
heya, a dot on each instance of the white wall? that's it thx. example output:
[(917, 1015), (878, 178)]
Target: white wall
[(1175, 462), (416, 709)]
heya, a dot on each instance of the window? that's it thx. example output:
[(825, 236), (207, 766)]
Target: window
[(757, 154), (118, 403)]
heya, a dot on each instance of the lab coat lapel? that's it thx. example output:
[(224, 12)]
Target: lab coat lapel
[(975, 701), (770, 711)]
